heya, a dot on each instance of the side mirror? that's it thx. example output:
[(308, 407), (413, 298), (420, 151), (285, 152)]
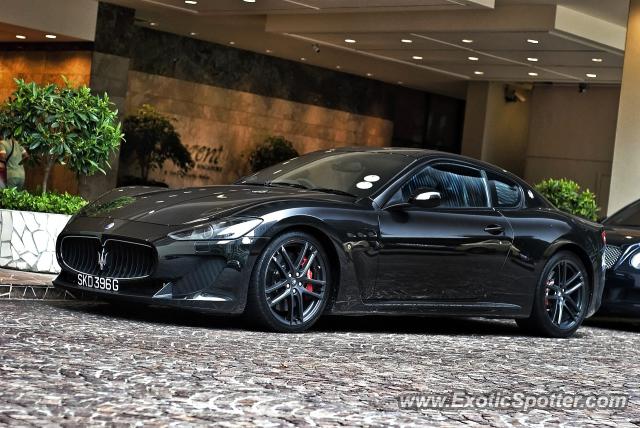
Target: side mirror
[(425, 198)]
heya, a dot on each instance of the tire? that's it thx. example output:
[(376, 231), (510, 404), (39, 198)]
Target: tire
[(289, 295), (561, 298)]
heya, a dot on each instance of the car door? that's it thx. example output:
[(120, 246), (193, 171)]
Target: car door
[(451, 252)]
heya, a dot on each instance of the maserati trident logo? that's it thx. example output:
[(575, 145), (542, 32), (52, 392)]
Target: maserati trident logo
[(102, 258)]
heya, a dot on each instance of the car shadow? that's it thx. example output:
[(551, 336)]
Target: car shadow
[(328, 324), (631, 325)]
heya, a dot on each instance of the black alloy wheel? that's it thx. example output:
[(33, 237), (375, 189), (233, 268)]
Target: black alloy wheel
[(290, 286), (561, 299)]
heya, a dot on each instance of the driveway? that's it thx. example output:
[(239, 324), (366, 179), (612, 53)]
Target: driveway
[(87, 363)]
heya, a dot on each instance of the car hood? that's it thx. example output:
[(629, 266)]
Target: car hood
[(177, 207), (622, 236)]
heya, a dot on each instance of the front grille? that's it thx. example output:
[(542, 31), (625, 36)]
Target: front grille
[(122, 259), (611, 255)]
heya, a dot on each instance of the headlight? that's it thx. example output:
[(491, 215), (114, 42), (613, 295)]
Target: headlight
[(635, 261), (226, 229)]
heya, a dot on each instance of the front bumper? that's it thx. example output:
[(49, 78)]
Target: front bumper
[(206, 275), (622, 293)]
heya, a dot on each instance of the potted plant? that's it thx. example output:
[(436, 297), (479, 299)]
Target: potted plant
[(62, 124), (150, 140), (273, 150), (57, 124)]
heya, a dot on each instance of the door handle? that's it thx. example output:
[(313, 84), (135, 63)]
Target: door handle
[(494, 229)]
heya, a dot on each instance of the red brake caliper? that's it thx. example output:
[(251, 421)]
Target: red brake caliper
[(309, 287)]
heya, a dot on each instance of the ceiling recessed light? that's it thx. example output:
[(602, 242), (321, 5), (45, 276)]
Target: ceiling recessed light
[(153, 24), (249, 1), (349, 40), (478, 73), (418, 57), (406, 40), (532, 59), (467, 40), (533, 74), (20, 36), (533, 41), (338, 67), (232, 42), (400, 82), (369, 74), (596, 59), (50, 36), (303, 59), (474, 58), (193, 33), (592, 75), (268, 51), (190, 1)]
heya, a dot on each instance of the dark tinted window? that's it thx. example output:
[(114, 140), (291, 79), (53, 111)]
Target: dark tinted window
[(629, 216), (504, 192), (459, 187)]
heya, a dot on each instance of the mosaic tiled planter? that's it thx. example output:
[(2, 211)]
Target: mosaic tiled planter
[(28, 240)]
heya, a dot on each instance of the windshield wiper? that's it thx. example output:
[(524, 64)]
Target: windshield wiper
[(285, 184), (333, 191)]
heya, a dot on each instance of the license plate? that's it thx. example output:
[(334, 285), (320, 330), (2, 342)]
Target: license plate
[(97, 282)]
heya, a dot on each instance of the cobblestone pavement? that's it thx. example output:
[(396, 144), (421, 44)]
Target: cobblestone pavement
[(78, 363)]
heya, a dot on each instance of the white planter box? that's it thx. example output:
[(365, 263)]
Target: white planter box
[(28, 240)]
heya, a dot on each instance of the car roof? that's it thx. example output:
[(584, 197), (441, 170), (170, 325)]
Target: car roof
[(417, 153)]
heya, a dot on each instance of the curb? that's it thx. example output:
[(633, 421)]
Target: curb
[(34, 292)]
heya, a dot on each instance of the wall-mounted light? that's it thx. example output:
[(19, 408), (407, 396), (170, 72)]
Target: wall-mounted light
[(50, 36), (20, 36)]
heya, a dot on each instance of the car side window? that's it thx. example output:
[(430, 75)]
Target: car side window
[(505, 193), (459, 186)]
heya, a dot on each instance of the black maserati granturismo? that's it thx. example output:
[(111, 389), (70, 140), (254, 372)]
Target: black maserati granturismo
[(621, 296), (344, 231)]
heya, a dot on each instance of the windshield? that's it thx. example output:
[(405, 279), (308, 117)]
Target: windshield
[(355, 173), (628, 216)]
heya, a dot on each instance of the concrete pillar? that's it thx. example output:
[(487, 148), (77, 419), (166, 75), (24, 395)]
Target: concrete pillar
[(110, 74), (625, 171), (495, 130)]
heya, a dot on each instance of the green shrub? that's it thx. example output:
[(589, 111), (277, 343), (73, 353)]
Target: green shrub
[(62, 124), (272, 151), (150, 140), (55, 203), (566, 195)]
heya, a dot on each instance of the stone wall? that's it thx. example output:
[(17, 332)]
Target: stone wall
[(28, 240), (221, 126)]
